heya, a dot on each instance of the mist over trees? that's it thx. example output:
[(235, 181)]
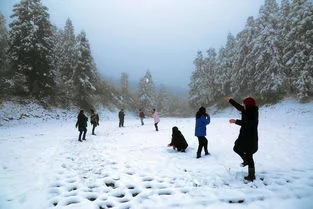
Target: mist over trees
[(55, 66), (270, 59)]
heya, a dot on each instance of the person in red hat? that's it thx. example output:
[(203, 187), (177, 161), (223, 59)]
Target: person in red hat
[(247, 142)]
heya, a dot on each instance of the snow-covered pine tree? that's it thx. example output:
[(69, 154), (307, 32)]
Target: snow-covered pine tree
[(146, 92), (124, 85), (69, 56), (196, 81), (31, 48), (226, 69), (3, 43), (299, 50), (85, 76), (210, 90), (162, 99), (4, 65), (203, 85), (267, 77), (244, 64), (285, 28)]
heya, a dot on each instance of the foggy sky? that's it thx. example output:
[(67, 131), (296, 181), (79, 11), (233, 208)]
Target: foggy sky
[(162, 36)]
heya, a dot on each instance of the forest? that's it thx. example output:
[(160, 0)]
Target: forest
[(270, 59)]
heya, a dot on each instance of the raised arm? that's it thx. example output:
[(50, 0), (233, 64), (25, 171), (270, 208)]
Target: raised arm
[(236, 105)]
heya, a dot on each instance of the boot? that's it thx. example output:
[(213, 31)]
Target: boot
[(251, 174)]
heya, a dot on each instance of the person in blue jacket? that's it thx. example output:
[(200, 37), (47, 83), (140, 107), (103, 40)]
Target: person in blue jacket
[(202, 120)]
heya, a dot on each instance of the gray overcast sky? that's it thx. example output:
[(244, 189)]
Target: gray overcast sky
[(163, 36)]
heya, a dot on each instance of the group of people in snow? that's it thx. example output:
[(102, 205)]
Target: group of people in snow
[(81, 123), (82, 119), (245, 145)]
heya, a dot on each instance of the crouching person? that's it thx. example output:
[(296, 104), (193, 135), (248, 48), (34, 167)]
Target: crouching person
[(178, 141)]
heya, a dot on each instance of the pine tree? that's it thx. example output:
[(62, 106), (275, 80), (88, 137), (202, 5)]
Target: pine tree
[(203, 83), (3, 42), (4, 65), (299, 51), (162, 99), (196, 83), (85, 76), (285, 25), (210, 82), (146, 92), (225, 68), (244, 64), (31, 47), (268, 76), (69, 53), (124, 85)]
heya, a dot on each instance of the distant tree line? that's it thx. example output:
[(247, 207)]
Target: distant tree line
[(270, 59), (55, 66)]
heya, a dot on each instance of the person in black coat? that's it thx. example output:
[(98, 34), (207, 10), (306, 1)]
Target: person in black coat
[(94, 120), (121, 116), (247, 142), (81, 124), (141, 116), (178, 140)]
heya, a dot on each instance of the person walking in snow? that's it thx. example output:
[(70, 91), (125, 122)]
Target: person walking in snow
[(141, 116), (121, 116), (247, 142), (202, 120), (94, 120), (81, 124), (178, 141), (156, 119)]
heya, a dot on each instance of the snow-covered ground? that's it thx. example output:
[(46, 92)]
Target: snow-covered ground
[(42, 165)]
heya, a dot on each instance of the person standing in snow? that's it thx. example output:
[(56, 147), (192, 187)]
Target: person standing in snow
[(178, 141), (121, 116), (94, 120), (247, 142), (141, 116), (202, 120), (156, 119), (81, 124)]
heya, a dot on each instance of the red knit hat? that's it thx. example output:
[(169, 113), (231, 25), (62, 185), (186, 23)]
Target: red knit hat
[(249, 102)]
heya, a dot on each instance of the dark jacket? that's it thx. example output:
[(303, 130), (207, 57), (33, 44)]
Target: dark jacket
[(81, 122), (141, 114), (178, 140), (247, 140), (121, 115)]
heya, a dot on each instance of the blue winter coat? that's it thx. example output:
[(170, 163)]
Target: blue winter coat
[(201, 124)]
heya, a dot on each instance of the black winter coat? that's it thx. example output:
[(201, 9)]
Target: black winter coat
[(178, 140), (81, 122), (247, 140), (121, 115)]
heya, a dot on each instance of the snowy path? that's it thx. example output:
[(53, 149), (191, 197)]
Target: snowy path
[(46, 167)]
